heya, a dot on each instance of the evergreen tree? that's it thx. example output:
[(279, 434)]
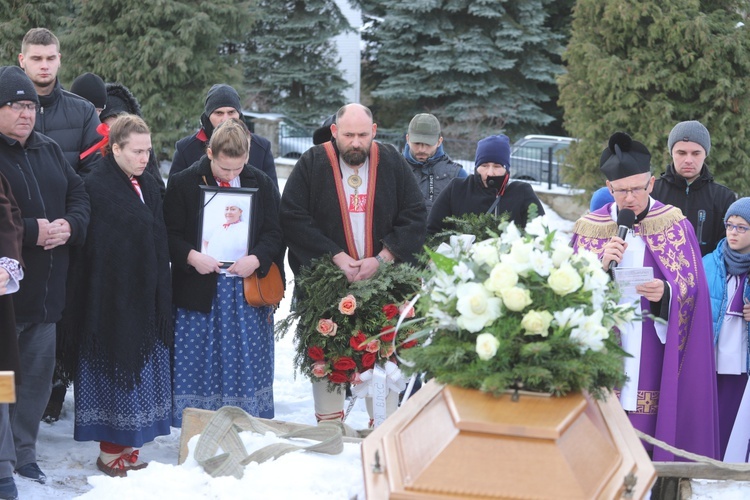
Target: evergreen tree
[(477, 64), (643, 66), (168, 53), (19, 17), (291, 62)]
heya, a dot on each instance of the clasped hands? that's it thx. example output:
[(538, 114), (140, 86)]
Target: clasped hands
[(205, 264), (53, 234), (362, 269)]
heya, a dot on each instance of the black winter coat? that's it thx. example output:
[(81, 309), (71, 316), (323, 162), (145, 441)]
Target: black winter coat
[(71, 122), (45, 187), (190, 149), (469, 196), (702, 195), (182, 208)]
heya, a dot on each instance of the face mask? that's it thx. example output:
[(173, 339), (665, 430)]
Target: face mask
[(495, 181)]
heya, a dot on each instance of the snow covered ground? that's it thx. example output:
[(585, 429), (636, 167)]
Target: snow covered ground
[(72, 473)]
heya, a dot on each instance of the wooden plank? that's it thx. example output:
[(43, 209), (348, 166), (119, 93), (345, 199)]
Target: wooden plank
[(690, 470), (7, 387)]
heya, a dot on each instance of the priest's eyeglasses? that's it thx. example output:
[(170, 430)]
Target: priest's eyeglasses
[(20, 106), (633, 191), (739, 229)]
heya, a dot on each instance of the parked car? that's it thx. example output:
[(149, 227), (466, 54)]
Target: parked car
[(293, 137), (538, 158)]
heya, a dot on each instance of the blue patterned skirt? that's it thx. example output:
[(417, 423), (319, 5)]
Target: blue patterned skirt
[(108, 412), (224, 357)]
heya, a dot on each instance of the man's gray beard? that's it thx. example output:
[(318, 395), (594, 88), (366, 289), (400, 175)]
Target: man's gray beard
[(354, 157)]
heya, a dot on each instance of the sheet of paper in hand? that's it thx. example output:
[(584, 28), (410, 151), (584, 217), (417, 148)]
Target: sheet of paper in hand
[(627, 278)]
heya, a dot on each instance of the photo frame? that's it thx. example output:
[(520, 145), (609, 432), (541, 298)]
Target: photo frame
[(226, 223)]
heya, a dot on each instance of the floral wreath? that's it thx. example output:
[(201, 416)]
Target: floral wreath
[(344, 329), (520, 311)]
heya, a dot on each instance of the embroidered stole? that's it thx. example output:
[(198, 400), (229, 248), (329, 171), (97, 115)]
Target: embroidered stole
[(344, 204)]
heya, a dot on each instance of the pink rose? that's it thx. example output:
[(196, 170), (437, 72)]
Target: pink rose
[(387, 351), (373, 346), (319, 369), (406, 307), (327, 327), (348, 305)]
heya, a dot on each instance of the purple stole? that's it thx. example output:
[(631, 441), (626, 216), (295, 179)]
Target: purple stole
[(677, 400)]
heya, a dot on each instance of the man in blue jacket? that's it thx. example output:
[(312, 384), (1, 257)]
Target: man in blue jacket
[(55, 211)]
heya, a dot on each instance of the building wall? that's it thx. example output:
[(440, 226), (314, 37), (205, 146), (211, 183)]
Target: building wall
[(349, 49)]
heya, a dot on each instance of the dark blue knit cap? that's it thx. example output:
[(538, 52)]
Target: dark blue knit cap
[(493, 149)]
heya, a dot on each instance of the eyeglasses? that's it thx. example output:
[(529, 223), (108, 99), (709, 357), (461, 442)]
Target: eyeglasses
[(739, 229), (20, 106), (633, 191)]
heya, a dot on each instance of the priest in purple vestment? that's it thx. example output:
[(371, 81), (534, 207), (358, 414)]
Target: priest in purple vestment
[(671, 388)]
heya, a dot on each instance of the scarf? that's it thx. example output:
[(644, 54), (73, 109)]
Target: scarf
[(737, 263)]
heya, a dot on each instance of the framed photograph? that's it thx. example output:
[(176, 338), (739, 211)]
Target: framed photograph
[(226, 224)]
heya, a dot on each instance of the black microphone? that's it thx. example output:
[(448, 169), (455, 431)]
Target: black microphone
[(495, 181), (625, 219)]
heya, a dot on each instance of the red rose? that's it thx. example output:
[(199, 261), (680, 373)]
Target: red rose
[(357, 341), (368, 359), (344, 363), (316, 353), (388, 337), (410, 344), (338, 377), (390, 310)]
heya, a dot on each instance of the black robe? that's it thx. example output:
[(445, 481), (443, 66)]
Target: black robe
[(311, 217)]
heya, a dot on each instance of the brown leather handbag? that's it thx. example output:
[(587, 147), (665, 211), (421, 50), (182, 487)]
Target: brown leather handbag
[(266, 291)]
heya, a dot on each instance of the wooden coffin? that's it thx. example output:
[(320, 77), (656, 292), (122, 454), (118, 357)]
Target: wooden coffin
[(450, 443)]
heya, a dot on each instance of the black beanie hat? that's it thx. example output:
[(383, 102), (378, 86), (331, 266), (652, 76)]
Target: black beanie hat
[(15, 85), (222, 95), (323, 133), (90, 87), (119, 100)]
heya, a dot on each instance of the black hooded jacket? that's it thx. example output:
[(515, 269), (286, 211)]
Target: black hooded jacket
[(704, 202)]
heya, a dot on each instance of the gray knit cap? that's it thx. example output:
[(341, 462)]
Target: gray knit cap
[(740, 207), (222, 96), (691, 131), (16, 86)]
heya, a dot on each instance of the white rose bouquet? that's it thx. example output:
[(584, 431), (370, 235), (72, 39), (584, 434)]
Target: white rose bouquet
[(521, 311)]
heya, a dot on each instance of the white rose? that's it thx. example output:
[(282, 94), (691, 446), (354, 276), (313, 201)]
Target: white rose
[(562, 253), (537, 323), (515, 298), (485, 253), (564, 280), (519, 257), (501, 277), (476, 306), (487, 346)]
